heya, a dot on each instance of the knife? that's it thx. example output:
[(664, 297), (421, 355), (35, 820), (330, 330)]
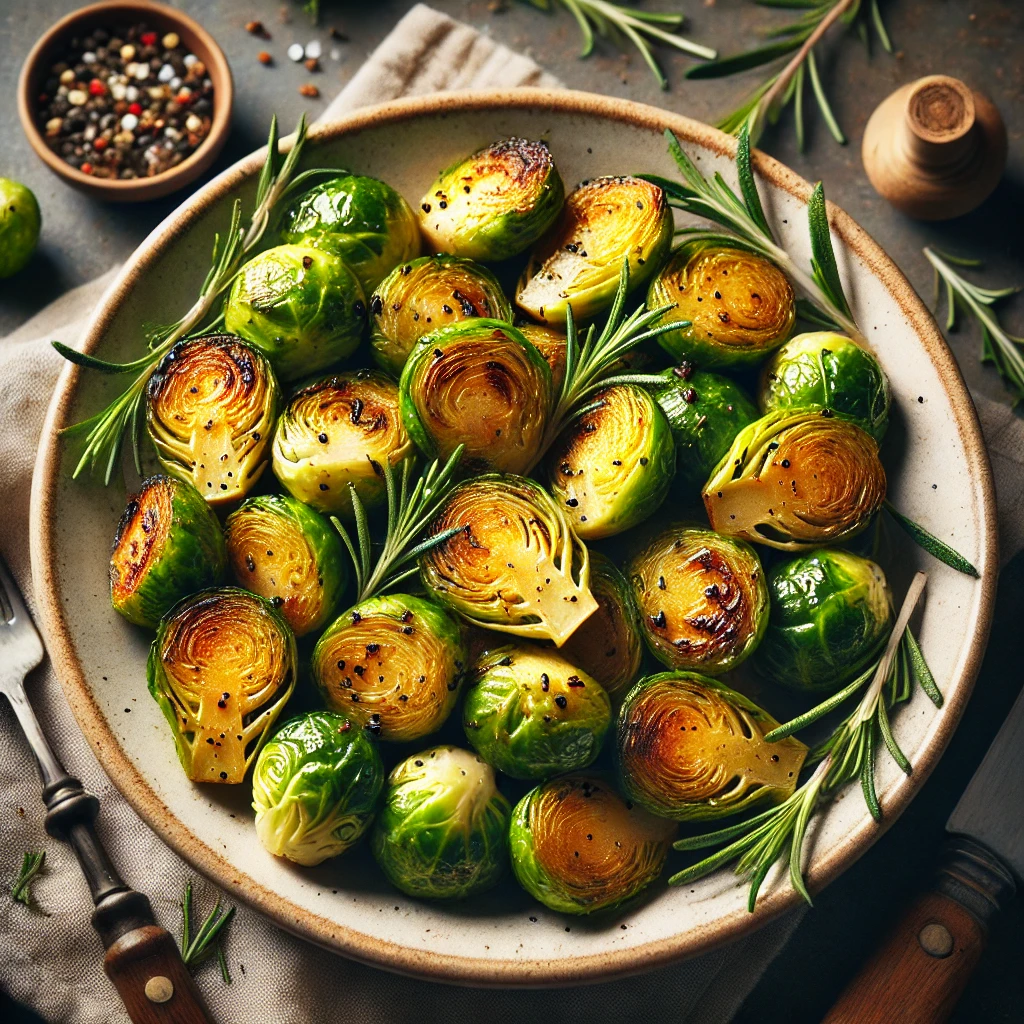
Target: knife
[(918, 975)]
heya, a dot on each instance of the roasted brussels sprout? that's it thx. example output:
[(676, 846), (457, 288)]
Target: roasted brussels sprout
[(481, 384), (394, 664), (824, 370), (443, 830), (830, 617), (362, 220), (532, 714), (339, 431), (795, 480), (315, 787), (302, 307), (733, 306), (578, 847), (168, 545), (515, 564), (19, 226), (222, 668), (423, 295), (578, 263), (284, 551), (703, 599), (211, 408), (551, 345), (613, 466), (691, 749), (495, 203)]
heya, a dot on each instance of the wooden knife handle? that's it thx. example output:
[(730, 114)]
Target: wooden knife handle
[(920, 972)]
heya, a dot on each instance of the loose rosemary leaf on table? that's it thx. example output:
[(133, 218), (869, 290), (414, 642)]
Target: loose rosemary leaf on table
[(208, 941), (31, 865)]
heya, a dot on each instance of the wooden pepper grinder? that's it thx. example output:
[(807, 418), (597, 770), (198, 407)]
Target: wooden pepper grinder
[(935, 148)]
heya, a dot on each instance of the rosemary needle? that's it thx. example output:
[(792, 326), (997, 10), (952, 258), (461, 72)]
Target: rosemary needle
[(31, 865)]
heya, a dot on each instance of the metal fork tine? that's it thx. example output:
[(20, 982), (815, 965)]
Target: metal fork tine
[(11, 605), (6, 610)]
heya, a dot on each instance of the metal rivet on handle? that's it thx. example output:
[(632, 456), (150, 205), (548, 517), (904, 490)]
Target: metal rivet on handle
[(936, 940), (159, 989)]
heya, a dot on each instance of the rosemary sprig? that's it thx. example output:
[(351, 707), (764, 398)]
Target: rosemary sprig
[(208, 941), (31, 865)]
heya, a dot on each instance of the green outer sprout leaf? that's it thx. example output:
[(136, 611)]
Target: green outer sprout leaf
[(31, 865)]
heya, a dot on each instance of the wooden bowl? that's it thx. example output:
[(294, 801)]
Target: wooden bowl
[(163, 19)]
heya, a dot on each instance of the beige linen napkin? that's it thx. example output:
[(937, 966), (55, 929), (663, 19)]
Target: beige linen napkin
[(52, 963)]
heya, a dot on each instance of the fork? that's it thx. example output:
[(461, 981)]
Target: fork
[(142, 959)]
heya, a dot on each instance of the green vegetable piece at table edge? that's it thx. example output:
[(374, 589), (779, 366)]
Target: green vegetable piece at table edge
[(20, 223)]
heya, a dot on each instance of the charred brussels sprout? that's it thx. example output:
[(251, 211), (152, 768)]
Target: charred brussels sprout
[(394, 664), (443, 830), (828, 371), (211, 407), (691, 749), (613, 466), (362, 220), (703, 599), (795, 480), (578, 847), (284, 551), (734, 307), (339, 431), (168, 545), (480, 384), (302, 307), (830, 617), (221, 668), (552, 346), (532, 714), (423, 295), (514, 565), (19, 226), (495, 203), (604, 222), (315, 787)]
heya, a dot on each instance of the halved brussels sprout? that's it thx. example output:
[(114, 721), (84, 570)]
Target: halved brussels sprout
[(515, 564), (443, 830), (222, 668), (339, 431), (481, 384), (211, 406), (315, 787), (703, 599), (551, 345), (532, 714), (168, 545), (831, 615), (425, 294), (19, 226), (302, 307), (612, 467), (362, 220), (284, 551), (578, 263), (394, 664), (795, 480), (734, 306), (495, 203), (824, 370), (578, 847), (691, 749)]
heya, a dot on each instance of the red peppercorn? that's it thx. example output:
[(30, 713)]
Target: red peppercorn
[(87, 168), (96, 88), (148, 38), (135, 108), (99, 144)]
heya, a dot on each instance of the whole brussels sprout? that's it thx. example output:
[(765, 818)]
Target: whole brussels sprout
[(339, 431), (532, 714), (393, 663), (302, 307), (222, 668), (733, 306), (604, 222), (168, 545), (20, 222), (442, 832), (495, 203), (613, 465), (830, 617), (551, 345), (578, 847), (794, 480), (284, 551), (211, 406), (315, 787), (362, 220), (691, 749), (422, 295), (824, 370), (480, 384)]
